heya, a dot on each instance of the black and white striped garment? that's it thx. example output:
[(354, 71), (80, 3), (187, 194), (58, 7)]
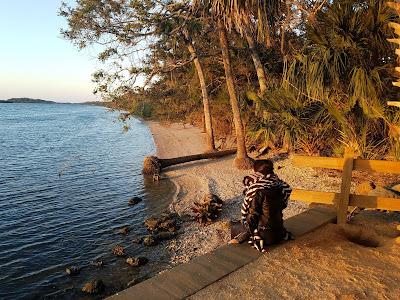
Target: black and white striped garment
[(253, 184)]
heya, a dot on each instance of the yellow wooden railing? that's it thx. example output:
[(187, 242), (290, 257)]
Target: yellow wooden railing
[(344, 199)]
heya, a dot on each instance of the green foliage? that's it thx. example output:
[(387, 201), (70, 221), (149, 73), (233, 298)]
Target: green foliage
[(328, 67), (344, 65)]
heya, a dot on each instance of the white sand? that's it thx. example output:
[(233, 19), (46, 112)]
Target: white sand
[(320, 265), (195, 179)]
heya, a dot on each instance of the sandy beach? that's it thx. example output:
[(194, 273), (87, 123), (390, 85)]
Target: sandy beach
[(322, 264)]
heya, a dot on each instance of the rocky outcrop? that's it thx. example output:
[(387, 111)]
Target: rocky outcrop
[(137, 261), (118, 251), (94, 287), (149, 241), (97, 263), (133, 201), (72, 270), (165, 222), (124, 230)]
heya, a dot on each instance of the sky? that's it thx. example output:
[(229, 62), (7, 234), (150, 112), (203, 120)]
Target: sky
[(35, 61)]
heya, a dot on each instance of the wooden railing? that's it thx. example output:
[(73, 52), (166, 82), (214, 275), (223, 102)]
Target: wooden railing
[(344, 199)]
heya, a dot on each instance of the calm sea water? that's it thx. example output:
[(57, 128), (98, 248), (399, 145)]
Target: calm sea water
[(66, 174)]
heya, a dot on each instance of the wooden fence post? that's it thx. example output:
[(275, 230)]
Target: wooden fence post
[(343, 203)]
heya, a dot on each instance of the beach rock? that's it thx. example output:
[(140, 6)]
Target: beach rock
[(97, 263), (134, 201), (164, 222), (72, 270), (138, 240), (151, 223), (137, 261), (118, 250), (168, 225), (161, 236), (94, 287), (149, 241), (125, 230)]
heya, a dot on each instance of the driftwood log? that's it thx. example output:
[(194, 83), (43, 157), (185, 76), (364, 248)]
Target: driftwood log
[(153, 165)]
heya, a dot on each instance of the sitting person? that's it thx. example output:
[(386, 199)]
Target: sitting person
[(266, 196)]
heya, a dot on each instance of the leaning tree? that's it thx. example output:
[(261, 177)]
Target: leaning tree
[(128, 31)]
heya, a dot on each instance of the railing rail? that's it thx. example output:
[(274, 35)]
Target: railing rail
[(344, 199)]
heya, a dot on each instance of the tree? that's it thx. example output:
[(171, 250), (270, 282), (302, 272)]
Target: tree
[(345, 64), (124, 27), (229, 13), (242, 160), (203, 85)]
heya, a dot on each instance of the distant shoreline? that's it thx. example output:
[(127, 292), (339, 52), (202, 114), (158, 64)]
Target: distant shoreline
[(26, 100), (41, 101)]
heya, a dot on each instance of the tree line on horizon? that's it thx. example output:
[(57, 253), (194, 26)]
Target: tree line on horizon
[(311, 76)]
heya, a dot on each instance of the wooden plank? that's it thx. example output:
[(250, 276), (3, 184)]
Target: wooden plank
[(392, 204), (362, 201), (314, 196), (382, 166), (394, 103), (318, 162), (310, 220), (343, 202)]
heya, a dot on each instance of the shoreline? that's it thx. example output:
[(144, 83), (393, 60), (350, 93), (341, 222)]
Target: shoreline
[(313, 259), (194, 180)]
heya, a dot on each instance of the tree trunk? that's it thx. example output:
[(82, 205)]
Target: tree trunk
[(153, 165), (206, 101), (268, 40), (242, 160), (262, 79)]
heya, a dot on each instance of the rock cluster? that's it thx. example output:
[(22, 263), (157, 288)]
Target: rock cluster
[(166, 222), (149, 240), (134, 201), (97, 263), (207, 210), (118, 250), (94, 287), (137, 261), (125, 230), (72, 270)]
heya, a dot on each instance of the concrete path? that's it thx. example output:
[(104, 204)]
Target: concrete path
[(187, 279)]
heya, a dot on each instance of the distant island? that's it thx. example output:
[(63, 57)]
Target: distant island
[(25, 100), (40, 101)]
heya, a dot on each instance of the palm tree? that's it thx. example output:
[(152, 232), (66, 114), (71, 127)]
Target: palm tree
[(227, 14), (262, 78), (206, 102), (242, 161), (345, 65)]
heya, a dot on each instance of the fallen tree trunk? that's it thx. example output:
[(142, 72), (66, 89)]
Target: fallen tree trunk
[(153, 165)]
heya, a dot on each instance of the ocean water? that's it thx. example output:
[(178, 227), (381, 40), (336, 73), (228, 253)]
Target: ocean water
[(66, 174)]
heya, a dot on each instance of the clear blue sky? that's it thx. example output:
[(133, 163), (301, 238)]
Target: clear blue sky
[(35, 61)]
